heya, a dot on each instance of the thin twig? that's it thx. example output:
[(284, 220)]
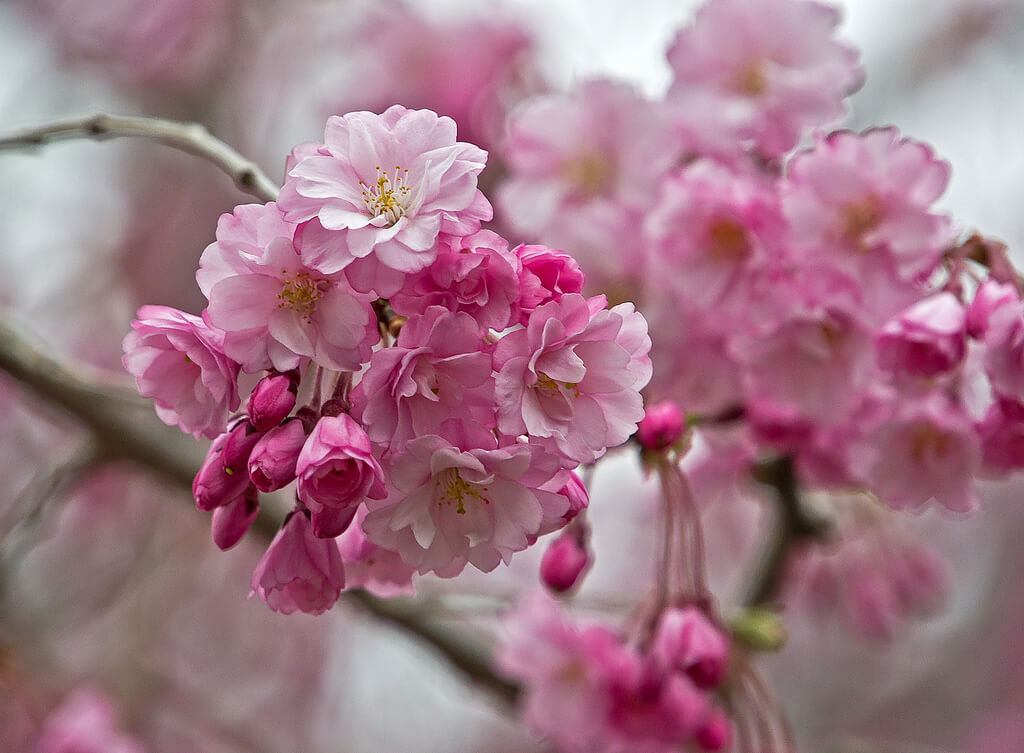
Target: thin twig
[(122, 431), (187, 137)]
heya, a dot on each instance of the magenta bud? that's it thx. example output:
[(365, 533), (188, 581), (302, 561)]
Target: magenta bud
[(715, 733), (231, 521), (271, 401), (273, 458), (687, 640), (331, 522), (661, 427), (215, 484), (238, 446), (564, 562)]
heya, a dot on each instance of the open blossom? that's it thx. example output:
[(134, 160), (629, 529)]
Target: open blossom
[(388, 184), (573, 375), (861, 203), (178, 360), (299, 572), (336, 472), (763, 70), (276, 312), (475, 274), (380, 571), (546, 274), (439, 368), (448, 506)]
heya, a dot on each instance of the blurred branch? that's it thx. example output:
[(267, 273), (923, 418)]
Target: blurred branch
[(187, 137), (124, 428), (796, 525)]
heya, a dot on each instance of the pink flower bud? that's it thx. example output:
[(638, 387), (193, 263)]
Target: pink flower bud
[(215, 484), (687, 640), (271, 401), (231, 521), (299, 572), (564, 562), (238, 446), (716, 732), (991, 295), (661, 427), (272, 461), (336, 471), (576, 493), (926, 340)]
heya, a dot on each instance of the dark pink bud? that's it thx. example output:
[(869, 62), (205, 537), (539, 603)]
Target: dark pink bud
[(231, 521), (926, 340), (215, 484), (576, 493), (271, 401), (991, 295), (662, 426), (564, 562), (687, 640), (238, 446), (273, 458), (716, 732)]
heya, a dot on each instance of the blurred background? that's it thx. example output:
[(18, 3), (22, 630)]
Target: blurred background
[(116, 608)]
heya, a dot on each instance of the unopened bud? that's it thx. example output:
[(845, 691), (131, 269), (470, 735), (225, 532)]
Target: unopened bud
[(271, 401), (564, 562), (575, 491), (661, 427), (273, 458), (238, 446), (231, 521), (687, 640), (215, 484), (716, 732)]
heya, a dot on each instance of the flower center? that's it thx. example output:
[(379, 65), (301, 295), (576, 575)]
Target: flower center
[(727, 239), (859, 219), (452, 489), (591, 173), (752, 79), (301, 292), (386, 196), (549, 386)]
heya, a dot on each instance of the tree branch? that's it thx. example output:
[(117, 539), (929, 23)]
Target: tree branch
[(187, 137), (795, 526), (124, 428)]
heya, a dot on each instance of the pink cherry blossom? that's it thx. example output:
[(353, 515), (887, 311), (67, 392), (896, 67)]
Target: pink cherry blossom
[(389, 184), (687, 640), (990, 297), (276, 312), (299, 572), (926, 340), (271, 401), (863, 202), (763, 71), (475, 274), (216, 483), (231, 521), (336, 472), (1004, 351), (661, 427), (573, 376), (273, 459), (564, 562), (546, 275), (449, 506), (380, 571), (439, 368), (178, 360), (86, 722)]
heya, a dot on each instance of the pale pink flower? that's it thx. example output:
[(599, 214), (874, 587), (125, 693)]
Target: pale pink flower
[(336, 471), (439, 368), (927, 449), (275, 311), (475, 274), (573, 376), (179, 361), (763, 70), (926, 340), (861, 203), (170, 43), (86, 722), (546, 274), (389, 184), (380, 571), (706, 234), (448, 506), (299, 572)]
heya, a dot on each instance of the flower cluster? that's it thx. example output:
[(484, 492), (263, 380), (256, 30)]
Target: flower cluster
[(589, 691), (418, 375)]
